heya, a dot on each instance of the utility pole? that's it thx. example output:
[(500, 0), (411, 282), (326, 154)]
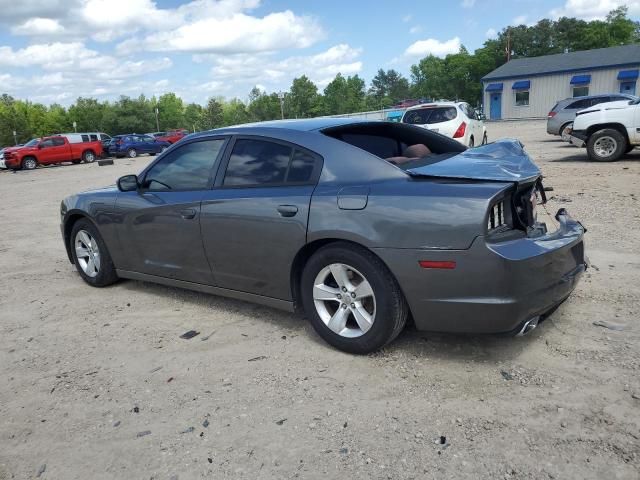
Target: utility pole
[(508, 49), (75, 126), (157, 122), (15, 137), (281, 98)]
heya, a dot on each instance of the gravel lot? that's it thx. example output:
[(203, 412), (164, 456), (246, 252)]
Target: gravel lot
[(97, 384)]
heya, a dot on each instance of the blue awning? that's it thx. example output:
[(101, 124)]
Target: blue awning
[(580, 80), (521, 85), (494, 87), (628, 75)]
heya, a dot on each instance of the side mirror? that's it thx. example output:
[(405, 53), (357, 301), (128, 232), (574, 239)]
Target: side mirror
[(128, 183), (39, 146)]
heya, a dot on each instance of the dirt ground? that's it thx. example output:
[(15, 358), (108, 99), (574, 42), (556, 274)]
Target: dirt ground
[(97, 384)]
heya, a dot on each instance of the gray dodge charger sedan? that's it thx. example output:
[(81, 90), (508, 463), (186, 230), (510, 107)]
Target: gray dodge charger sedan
[(360, 225)]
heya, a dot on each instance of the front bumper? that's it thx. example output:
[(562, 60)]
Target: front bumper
[(494, 287)]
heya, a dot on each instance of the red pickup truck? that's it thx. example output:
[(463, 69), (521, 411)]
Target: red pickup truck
[(172, 136), (50, 150)]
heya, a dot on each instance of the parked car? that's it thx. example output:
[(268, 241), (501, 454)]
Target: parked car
[(51, 150), (561, 116), (308, 214), (172, 136), (608, 130), (133, 145), (455, 120), (157, 134)]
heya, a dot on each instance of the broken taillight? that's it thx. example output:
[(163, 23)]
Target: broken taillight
[(497, 216), (460, 131)]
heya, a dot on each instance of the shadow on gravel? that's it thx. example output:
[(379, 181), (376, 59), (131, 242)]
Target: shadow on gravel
[(582, 158)]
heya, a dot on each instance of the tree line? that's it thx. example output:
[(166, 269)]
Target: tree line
[(455, 77)]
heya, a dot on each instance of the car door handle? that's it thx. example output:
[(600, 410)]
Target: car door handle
[(287, 210), (188, 213)]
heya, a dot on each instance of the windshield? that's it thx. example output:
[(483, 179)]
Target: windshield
[(32, 143), (431, 115)]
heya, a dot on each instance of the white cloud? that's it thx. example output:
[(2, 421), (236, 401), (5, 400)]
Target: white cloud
[(519, 20), (431, 46), (238, 33), (468, 3), (38, 26), (491, 33), (407, 18), (415, 30), (593, 9)]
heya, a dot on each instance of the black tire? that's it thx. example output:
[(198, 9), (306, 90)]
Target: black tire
[(76, 162), (391, 308), (152, 154), (132, 153), (88, 156), (107, 272), (29, 163), (472, 142), (629, 148), (485, 140), (616, 139)]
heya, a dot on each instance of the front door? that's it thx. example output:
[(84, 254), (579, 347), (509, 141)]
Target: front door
[(159, 225), (254, 221), (54, 150), (496, 106), (628, 87)]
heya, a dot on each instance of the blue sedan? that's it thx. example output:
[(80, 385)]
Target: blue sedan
[(133, 145)]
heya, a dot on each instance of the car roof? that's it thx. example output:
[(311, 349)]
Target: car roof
[(447, 103), (587, 97), (302, 125)]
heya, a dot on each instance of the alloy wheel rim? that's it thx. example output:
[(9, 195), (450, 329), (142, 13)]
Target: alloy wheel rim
[(87, 253), (133, 153), (605, 146), (344, 300), (89, 158), (30, 164)]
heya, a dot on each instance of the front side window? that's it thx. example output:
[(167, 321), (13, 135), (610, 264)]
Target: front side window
[(582, 91), (46, 143), (257, 162), (522, 98), (186, 168), (58, 142)]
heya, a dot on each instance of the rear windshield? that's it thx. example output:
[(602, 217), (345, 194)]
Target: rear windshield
[(431, 115)]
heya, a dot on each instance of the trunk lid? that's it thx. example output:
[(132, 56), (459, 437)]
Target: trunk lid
[(504, 161)]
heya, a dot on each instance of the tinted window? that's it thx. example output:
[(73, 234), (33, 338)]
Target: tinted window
[(301, 168), (186, 168), (104, 137), (58, 142), (257, 162), (147, 139), (579, 104), (427, 116), (47, 143), (93, 137), (85, 138)]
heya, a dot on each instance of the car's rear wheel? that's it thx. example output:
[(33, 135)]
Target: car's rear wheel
[(88, 157), (132, 153), (90, 255), (606, 145), (351, 298), (29, 163), (485, 140), (472, 142)]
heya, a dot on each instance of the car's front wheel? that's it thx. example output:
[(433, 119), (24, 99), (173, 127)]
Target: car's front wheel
[(352, 299), (485, 140), (132, 153), (90, 255), (606, 145)]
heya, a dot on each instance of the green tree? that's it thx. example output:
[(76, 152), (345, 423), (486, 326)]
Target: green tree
[(263, 106), (87, 113), (234, 112), (170, 111), (388, 88), (344, 95), (211, 115), (303, 100), (193, 117)]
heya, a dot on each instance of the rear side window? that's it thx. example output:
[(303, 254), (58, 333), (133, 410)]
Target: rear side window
[(85, 138), (428, 116), (301, 168), (257, 162), (383, 147), (93, 137), (579, 104), (57, 142), (186, 168)]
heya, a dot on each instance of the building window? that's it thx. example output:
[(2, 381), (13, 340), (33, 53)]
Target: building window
[(581, 91), (522, 98)]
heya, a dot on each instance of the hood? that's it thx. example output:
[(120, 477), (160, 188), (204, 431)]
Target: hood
[(606, 106), (503, 161)]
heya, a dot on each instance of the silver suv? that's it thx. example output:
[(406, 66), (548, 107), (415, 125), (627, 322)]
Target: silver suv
[(560, 118)]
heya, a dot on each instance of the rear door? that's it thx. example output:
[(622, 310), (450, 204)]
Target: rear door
[(159, 225), (255, 219)]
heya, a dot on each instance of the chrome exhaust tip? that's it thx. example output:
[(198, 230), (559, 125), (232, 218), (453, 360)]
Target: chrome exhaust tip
[(528, 326)]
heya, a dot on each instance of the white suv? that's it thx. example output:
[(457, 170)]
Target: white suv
[(453, 119)]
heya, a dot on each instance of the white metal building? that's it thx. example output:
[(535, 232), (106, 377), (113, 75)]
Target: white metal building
[(530, 87)]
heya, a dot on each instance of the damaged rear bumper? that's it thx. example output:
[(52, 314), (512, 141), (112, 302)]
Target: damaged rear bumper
[(494, 287)]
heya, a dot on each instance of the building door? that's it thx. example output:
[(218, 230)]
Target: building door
[(628, 87), (496, 106)]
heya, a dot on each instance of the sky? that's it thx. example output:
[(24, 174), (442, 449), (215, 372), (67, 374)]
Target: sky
[(53, 51)]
